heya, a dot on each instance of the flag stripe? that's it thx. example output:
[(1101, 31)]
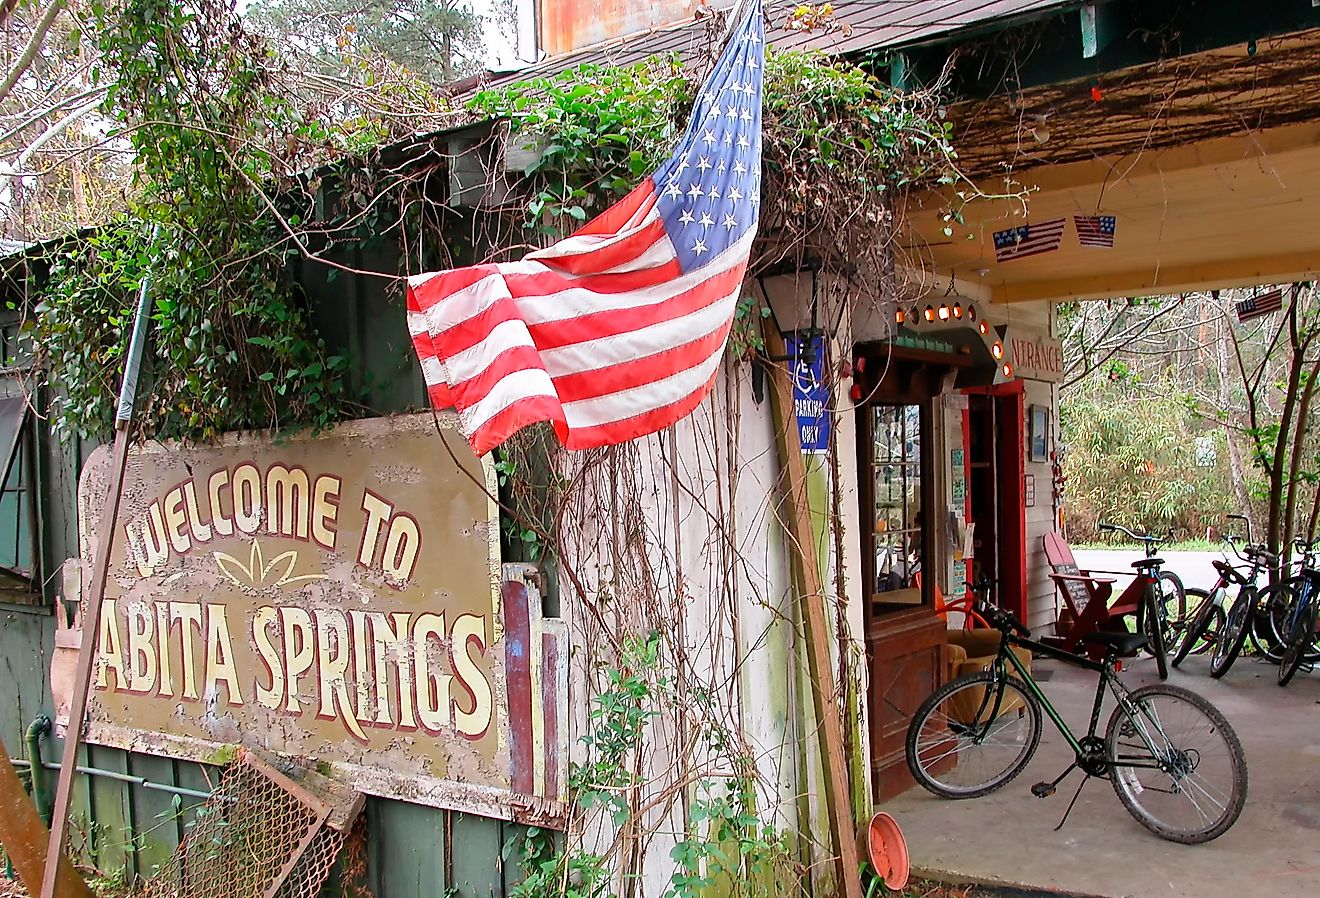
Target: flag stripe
[(478, 368), (512, 387), (622, 375), (619, 329), (592, 436), (611, 323), (641, 399)]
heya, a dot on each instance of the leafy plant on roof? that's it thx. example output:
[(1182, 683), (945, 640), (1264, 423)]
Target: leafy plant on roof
[(837, 145), (233, 345)]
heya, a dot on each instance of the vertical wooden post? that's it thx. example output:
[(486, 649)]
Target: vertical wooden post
[(807, 580), (91, 618), (22, 834)]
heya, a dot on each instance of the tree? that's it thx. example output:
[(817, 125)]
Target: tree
[(1245, 390), (439, 40), (58, 172), (1279, 387)]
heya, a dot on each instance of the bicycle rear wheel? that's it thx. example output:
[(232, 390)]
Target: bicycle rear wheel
[(1176, 764), (1174, 605), (1271, 625), (1202, 629), (1283, 599), (973, 735), (1234, 634), (1301, 636)]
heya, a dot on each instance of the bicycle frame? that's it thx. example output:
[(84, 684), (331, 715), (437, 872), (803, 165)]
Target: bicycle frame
[(1305, 596), (1108, 682)]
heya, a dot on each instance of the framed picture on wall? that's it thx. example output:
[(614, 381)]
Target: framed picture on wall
[(1038, 433)]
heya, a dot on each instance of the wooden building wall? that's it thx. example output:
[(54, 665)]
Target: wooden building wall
[(412, 851)]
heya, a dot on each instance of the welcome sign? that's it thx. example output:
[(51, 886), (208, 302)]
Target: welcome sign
[(335, 598)]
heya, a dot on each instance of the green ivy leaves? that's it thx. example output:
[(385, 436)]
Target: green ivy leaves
[(232, 343)]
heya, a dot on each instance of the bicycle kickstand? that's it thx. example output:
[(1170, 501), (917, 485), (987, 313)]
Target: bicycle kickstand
[(1076, 795)]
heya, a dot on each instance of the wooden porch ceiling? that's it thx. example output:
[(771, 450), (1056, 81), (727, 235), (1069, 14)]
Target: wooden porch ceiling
[(1228, 211)]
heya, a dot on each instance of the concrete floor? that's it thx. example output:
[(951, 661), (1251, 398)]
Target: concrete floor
[(1008, 837)]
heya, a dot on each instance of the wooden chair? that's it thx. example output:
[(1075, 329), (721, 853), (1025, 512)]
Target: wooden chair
[(1085, 596)]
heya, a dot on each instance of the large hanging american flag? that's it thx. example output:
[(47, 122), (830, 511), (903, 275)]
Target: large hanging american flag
[(616, 331)]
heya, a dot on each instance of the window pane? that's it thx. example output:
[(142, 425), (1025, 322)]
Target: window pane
[(896, 468), (15, 526)]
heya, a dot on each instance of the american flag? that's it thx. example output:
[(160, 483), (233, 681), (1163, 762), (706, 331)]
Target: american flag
[(1028, 240), (1095, 230), (1258, 306), (618, 330)]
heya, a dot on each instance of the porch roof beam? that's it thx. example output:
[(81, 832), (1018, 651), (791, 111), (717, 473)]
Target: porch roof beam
[(1218, 273)]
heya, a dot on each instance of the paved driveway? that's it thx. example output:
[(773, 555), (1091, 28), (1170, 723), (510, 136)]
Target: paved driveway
[(1008, 837), (1193, 568)]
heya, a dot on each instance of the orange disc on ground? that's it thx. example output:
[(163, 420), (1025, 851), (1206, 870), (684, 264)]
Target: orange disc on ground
[(886, 849)]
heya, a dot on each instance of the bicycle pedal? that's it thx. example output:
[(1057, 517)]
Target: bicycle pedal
[(1043, 790)]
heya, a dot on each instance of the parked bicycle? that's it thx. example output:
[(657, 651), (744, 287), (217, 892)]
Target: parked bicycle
[(1269, 632), (1205, 625), (1158, 595), (1174, 761), (1299, 597), (1241, 615)]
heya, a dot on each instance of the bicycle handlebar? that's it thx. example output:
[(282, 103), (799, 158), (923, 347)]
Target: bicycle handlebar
[(1001, 618), (1152, 542)]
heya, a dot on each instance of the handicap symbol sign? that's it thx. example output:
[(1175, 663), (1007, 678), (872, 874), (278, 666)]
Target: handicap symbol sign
[(811, 395)]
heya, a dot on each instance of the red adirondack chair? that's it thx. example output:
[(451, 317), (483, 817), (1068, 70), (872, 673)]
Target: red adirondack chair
[(1086, 596)]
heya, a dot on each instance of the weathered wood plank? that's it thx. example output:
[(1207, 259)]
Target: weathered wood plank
[(405, 849), (807, 580), (478, 857)]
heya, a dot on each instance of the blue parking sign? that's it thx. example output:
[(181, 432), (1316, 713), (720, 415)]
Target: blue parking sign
[(811, 393)]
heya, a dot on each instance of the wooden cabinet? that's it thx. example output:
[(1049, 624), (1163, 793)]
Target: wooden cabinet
[(906, 657)]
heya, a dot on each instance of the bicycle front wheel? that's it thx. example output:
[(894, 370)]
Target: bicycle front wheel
[(1301, 635), (1234, 634), (1176, 764), (973, 735)]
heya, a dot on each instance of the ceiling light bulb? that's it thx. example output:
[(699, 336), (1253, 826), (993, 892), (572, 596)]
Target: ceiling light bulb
[(930, 313), (900, 316), (1008, 370), (997, 350), (944, 312), (983, 327), (957, 310)]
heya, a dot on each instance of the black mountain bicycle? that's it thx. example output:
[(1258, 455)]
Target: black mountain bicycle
[(1172, 758)]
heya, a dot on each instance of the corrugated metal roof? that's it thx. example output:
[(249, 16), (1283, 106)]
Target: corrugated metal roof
[(855, 26)]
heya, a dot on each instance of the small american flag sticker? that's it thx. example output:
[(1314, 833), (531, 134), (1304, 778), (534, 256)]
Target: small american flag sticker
[(1095, 230), (1028, 240), (1258, 306)]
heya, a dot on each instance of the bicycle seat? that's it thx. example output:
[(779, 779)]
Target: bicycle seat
[(1147, 562), (1121, 643)]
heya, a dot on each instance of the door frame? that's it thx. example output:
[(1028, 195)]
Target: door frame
[(1011, 516)]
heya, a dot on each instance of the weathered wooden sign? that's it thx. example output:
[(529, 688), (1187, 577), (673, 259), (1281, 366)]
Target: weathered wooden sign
[(1035, 355), (338, 598)]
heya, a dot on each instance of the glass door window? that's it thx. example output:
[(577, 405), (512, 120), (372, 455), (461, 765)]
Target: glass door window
[(896, 522)]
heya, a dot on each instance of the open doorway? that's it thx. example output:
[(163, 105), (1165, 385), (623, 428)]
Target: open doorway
[(996, 509)]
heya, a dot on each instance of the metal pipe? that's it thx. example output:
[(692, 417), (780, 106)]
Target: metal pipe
[(39, 727), (122, 777)]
